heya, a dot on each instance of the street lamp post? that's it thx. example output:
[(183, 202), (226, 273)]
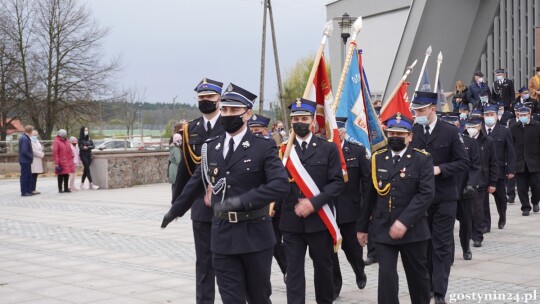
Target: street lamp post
[(345, 26)]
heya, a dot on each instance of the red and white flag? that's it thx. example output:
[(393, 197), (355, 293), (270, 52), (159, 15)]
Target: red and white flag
[(400, 103)]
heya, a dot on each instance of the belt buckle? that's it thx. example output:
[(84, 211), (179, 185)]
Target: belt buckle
[(233, 218)]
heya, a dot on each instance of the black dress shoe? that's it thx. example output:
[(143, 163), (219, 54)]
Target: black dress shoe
[(467, 255), (370, 261), (502, 223), (361, 282), (536, 208), (525, 213), (67, 191), (511, 200), (26, 194), (60, 191), (439, 299), (477, 244)]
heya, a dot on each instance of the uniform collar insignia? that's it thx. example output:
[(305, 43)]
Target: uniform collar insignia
[(245, 144), (218, 146)]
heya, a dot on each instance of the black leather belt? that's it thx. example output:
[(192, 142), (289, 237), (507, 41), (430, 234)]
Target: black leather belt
[(235, 217)]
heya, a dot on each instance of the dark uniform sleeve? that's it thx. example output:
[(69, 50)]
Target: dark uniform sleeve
[(420, 202), (362, 224), (493, 163), (335, 184), (365, 172), (193, 189), (460, 160), (510, 152), (475, 170), (277, 181)]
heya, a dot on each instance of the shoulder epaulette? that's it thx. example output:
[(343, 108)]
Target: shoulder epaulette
[(379, 152), (421, 151), (194, 119), (212, 138), (355, 143)]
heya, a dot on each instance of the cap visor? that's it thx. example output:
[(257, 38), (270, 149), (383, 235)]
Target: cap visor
[(206, 93), (301, 113), (416, 106), (396, 129)]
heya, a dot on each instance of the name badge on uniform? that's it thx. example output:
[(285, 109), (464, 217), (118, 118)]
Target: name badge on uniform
[(382, 170)]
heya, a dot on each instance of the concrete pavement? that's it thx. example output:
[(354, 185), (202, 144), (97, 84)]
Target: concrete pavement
[(106, 246)]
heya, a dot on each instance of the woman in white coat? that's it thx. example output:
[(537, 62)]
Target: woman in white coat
[(76, 162), (37, 161)]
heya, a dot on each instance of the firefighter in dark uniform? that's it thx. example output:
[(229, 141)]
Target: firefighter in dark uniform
[(194, 135), (464, 112), (503, 90), (467, 183), (301, 224), (402, 190), (443, 142), (503, 116), (488, 177), (240, 174), (349, 207), (258, 125), (526, 138), (506, 157)]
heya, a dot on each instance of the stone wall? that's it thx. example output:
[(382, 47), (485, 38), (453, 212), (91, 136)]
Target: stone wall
[(111, 171)]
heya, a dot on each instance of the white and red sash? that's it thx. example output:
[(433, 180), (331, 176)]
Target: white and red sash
[(308, 187)]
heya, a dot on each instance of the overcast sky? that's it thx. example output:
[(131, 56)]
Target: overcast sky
[(168, 46)]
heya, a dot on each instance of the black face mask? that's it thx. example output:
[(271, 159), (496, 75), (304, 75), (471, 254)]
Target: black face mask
[(396, 143), (377, 109), (231, 124), (207, 106), (301, 128)]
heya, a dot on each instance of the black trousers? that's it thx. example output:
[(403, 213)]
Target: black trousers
[(441, 219), (63, 179), (279, 249), (34, 181), (500, 203), (244, 277), (414, 258), (478, 214), (86, 160), (26, 178), (526, 180), (511, 188), (204, 270), (371, 253), (353, 252), (464, 216), (320, 251)]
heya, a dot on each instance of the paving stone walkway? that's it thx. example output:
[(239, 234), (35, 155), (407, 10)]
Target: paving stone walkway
[(106, 246)]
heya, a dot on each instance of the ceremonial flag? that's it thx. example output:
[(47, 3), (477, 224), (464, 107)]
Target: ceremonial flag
[(351, 105), (376, 134), (442, 103), (424, 84), (399, 103), (322, 94)]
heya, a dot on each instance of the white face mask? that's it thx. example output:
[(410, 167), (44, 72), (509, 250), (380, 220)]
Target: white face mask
[(85, 133), (472, 131), (499, 77), (480, 79)]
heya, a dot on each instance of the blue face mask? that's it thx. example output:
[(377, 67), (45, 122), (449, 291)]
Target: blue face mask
[(422, 120), (526, 96), (34, 137), (490, 121), (524, 120), (484, 99), (462, 116)]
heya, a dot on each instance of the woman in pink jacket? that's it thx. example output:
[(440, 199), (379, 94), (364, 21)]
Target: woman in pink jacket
[(76, 161), (63, 160)]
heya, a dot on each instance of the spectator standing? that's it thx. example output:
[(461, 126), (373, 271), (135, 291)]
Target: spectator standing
[(25, 161), (534, 84), (278, 134), (37, 162), (85, 146), (174, 157), (76, 162), (478, 88), (63, 160), (460, 95)]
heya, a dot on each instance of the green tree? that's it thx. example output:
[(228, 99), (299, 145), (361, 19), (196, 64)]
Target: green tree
[(168, 129)]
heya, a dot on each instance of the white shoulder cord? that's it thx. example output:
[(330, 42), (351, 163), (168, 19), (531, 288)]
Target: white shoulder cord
[(221, 183)]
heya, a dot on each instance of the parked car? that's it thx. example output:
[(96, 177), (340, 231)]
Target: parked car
[(115, 145)]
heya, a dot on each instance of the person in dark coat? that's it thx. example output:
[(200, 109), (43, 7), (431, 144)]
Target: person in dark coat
[(523, 97), (241, 175), (450, 159), (26, 157), (526, 138), (503, 115), (488, 178), (478, 92), (301, 224), (506, 158), (349, 206), (467, 183), (402, 190), (503, 90), (460, 96), (194, 135), (86, 145)]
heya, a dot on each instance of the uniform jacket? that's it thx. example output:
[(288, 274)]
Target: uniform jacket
[(474, 91), (527, 144), (448, 152), (503, 91), (254, 174), (37, 162), (412, 190), (349, 203), (505, 118), (321, 160), (488, 157), (25, 149), (194, 137), (504, 149), (471, 176), (63, 156)]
